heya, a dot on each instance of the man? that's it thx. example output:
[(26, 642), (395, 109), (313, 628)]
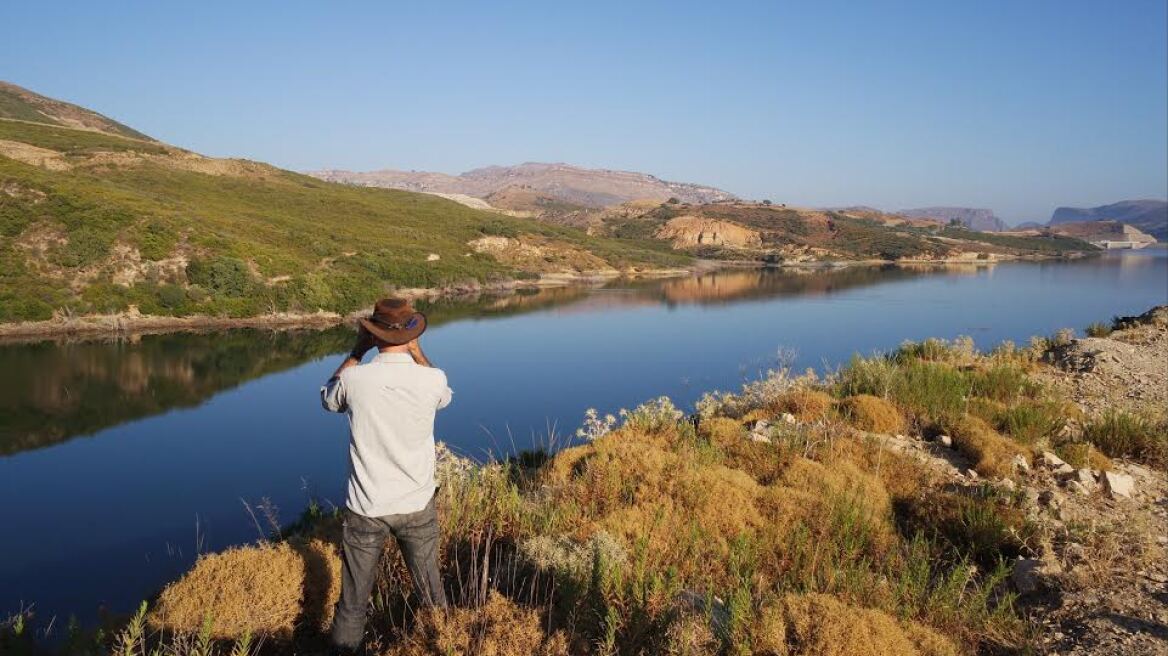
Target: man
[(391, 402)]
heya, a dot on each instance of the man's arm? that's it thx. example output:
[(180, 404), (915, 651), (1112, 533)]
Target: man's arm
[(332, 394), (416, 352)]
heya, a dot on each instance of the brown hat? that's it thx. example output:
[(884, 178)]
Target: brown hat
[(394, 322)]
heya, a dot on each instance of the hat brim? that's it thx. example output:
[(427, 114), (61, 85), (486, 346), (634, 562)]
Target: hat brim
[(397, 337)]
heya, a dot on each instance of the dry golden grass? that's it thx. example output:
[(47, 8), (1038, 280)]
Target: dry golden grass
[(990, 452), (497, 628), (261, 590), (825, 626), (690, 635), (873, 414), (805, 404)]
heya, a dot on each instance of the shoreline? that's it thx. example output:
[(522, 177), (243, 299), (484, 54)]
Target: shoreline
[(131, 323)]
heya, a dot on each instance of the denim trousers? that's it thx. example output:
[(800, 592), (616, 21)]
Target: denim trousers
[(364, 538)]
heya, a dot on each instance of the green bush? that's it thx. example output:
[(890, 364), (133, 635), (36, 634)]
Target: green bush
[(1098, 329), (156, 241), (1032, 421), (1121, 434), (172, 296), (222, 276)]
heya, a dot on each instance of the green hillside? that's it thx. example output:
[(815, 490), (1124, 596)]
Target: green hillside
[(94, 223), (24, 105)]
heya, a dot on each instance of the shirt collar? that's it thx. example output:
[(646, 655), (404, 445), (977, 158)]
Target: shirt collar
[(393, 357)]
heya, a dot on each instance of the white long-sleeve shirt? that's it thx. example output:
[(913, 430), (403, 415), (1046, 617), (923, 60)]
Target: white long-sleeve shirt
[(391, 403)]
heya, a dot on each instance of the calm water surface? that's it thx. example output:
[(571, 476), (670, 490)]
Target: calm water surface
[(119, 461)]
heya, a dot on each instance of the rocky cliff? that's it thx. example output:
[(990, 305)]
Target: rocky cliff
[(972, 218)]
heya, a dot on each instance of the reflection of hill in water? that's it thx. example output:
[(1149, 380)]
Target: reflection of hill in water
[(731, 285), (728, 286), (55, 391)]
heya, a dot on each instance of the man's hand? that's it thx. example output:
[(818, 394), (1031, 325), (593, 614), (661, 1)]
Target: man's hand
[(363, 344), (360, 348), (416, 353)]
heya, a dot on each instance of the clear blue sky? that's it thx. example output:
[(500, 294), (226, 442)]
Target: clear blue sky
[(1015, 106)]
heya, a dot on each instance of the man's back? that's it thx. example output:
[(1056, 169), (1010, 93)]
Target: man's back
[(391, 402)]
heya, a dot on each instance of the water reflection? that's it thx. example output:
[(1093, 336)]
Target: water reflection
[(55, 391)]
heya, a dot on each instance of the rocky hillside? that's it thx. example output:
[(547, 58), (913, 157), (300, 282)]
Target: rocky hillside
[(526, 186), (974, 219), (770, 233), (97, 219), (1150, 216)]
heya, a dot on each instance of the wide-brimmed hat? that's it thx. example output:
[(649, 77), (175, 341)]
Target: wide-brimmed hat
[(395, 322)]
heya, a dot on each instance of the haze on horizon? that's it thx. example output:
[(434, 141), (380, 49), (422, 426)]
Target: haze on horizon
[(1017, 107)]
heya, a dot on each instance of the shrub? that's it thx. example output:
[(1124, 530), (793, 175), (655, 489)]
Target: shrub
[(991, 453), (258, 590), (805, 404), (1126, 435), (1032, 421), (931, 390), (826, 626), (1002, 382), (1079, 454), (872, 413), (1098, 329), (875, 376), (222, 276), (172, 296), (499, 627)]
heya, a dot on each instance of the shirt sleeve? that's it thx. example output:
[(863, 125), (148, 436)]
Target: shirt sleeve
[(332, 395), (445, 394)]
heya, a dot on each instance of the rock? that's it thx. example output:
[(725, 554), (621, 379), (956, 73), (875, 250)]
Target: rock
[(1064, 470), (1075, 552), (945, 440), (1050, 498), (1021, 463), (789, 418), (759, 437), (1025, 574), (1118, 485), (971, 473), (1006, 484), (433, 257), (1084, 477), (1078, 488), (1051, 461)]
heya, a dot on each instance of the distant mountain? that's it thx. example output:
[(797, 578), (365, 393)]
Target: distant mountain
[(20, 104), (972, 218), (534, 184), (1029, 225), (1150, 216)]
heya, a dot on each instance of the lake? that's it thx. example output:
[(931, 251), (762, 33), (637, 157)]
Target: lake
[(121, 460)]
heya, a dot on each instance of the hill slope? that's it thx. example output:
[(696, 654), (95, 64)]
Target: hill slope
[(97, 222), (1150, 216), (562, 183), (23, 105)]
